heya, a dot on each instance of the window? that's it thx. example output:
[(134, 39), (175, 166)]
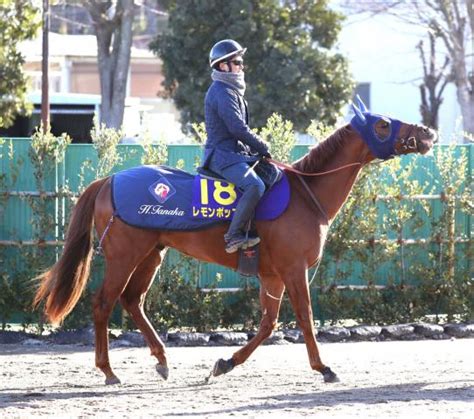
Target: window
[(363, 90)]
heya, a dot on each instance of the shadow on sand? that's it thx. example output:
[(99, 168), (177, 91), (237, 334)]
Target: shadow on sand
[(317, 398)]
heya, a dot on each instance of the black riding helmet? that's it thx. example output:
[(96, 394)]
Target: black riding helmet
[(225, 50)]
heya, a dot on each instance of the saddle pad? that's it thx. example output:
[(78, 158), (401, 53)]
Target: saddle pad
[(165, 198)]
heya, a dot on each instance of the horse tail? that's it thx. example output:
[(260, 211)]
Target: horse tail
[(62, 285)]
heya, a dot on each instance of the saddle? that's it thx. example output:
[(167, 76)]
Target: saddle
[(166, 198)]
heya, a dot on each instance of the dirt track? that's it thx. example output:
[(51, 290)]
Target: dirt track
[(384, 379)]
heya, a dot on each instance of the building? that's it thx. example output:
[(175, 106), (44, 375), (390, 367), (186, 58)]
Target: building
[(386, 64), (74, 87)]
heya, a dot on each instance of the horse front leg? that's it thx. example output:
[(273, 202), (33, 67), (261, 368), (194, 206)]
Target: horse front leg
[(271, 293), (298, 291)]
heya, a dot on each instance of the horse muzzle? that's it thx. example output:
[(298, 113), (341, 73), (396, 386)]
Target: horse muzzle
[(428, 138), (420, 140)]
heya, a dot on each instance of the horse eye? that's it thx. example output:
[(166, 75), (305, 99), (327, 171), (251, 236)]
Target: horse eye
[(385, 124)]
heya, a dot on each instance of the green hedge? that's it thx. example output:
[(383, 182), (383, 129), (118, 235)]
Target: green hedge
[(371, 272)]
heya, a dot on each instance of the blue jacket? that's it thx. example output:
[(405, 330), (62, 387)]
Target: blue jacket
[(229, 138)]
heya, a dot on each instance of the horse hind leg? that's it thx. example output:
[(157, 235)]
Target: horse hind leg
[(133, 300), (271, 293), (115, 280)]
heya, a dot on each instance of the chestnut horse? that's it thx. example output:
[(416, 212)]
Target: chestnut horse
[(289, 244)]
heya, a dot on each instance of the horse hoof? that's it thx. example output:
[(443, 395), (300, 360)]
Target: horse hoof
[(112, 380), (163, 371), (223, 367), (329, 376)]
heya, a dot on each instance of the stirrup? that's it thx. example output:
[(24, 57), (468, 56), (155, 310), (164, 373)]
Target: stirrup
[(251, 241), (237, 242)]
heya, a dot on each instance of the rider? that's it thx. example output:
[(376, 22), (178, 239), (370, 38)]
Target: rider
[(231, 147)]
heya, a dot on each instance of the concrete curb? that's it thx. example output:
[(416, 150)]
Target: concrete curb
[(412, 331)]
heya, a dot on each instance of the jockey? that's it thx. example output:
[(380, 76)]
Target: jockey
[(231, 147)]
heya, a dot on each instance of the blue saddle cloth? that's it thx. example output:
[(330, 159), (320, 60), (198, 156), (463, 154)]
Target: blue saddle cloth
[(165, 198)]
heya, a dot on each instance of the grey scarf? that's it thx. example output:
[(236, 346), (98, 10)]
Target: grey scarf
[(234, 80)]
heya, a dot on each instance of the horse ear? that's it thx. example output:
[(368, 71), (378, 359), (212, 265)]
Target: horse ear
[(358, 114), (361, 104)]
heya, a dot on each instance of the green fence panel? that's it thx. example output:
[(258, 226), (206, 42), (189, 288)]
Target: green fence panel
[(80, 167), (189, 155)]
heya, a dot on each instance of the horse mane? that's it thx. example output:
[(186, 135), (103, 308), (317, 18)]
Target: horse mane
[(322, 152)]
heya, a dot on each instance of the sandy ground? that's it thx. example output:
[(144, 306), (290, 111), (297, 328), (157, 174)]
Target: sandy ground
[(384, 379)]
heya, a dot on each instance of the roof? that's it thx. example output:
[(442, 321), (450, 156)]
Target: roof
[(66, 98)]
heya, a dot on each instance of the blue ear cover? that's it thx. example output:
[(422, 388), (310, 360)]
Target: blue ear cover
[(358, 114), (364, 123), (361, 104)]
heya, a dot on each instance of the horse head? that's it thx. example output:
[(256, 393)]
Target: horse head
[(387, 137)]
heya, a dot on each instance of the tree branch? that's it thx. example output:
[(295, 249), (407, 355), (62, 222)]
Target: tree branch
[(423, 58), (441, 90), (470, 13)]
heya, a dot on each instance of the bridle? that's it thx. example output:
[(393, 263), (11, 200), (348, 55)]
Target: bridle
[(408, 143)]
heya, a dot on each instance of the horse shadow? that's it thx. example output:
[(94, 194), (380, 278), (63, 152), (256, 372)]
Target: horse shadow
[(24, 396), (366, 395), (319, 398)]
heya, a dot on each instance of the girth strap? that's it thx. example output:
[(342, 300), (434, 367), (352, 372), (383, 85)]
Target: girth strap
[(109, 224)]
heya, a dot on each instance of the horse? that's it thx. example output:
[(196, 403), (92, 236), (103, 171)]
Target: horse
[(290, 244)]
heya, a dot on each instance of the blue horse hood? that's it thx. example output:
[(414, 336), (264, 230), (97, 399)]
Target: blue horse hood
[(364, 123)]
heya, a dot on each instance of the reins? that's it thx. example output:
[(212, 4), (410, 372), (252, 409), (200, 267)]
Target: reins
[(314, 200), (298, 172), (300, 175)]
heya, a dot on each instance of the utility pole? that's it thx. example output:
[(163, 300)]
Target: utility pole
[(44, 69)]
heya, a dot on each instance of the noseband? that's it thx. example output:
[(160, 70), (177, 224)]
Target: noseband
[(408, 143)]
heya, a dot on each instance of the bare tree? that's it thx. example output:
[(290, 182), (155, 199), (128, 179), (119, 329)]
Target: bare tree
[(450, 20), (431, 94), (112, 23), (113, 28)]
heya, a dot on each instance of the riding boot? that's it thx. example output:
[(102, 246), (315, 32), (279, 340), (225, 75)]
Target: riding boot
[(235, 236)]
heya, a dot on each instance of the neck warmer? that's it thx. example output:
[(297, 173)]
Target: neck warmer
[(234, 80)]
